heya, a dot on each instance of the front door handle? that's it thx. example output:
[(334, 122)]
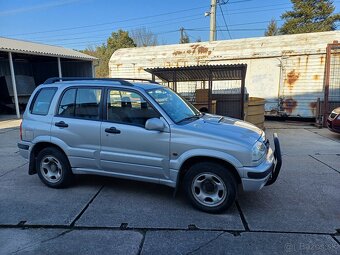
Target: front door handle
[(112, 130), (61, 124)]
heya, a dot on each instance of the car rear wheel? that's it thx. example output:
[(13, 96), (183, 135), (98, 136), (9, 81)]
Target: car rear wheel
[(210, 187), (53, 168)]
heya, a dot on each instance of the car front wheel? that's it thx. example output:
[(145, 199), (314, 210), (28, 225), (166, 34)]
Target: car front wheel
[(210, 187)]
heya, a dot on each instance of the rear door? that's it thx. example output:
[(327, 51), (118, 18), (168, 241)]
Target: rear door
[(127, 148), (76, 125)]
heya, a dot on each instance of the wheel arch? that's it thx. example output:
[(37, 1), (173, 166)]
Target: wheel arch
[(196, 159), (35, 151)]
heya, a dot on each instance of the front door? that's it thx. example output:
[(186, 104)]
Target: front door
[(127, 148)]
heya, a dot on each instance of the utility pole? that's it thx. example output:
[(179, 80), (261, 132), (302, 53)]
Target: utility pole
[(182, 34), (213, 20)]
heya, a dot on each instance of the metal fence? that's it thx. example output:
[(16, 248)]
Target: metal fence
[(332, 80)]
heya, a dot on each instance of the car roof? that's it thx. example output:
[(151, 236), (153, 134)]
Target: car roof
[(105, 83)]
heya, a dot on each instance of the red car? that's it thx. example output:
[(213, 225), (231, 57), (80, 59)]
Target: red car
[(333, 121)]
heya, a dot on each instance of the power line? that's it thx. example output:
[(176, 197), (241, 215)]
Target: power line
[(158, 25), (137, 18), (111, 22), (99, 36), (225, 22), (110, 29)]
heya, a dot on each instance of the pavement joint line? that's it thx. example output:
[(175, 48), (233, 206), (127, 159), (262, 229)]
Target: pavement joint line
[(43, 241), (325, 164), (139, 229), (335, 140), (336, 240), (206, 243), (141, 245), (13, 169), (243, 218), (86, 206), (9, 130)]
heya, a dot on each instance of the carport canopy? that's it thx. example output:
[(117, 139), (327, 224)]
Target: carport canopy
[(200, 73), (208, 73)]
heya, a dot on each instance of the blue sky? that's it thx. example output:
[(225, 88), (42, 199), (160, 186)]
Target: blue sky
[(80, 23)]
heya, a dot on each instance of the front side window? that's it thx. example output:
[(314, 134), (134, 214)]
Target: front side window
[(175, 106), (129, 108), (83, 103), (42, 101)]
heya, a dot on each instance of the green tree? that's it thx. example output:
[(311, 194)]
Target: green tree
[(117, 40), (310, 16), (272, 28)]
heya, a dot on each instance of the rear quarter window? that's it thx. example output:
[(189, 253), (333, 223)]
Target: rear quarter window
[(42, 101)]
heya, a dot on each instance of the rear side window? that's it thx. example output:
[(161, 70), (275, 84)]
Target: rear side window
[(42, 101), (81, 103)]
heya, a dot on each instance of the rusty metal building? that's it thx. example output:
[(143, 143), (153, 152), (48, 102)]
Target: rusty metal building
[(24, 65), (288, 70)]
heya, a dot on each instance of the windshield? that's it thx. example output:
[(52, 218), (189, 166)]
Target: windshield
[(176, 107)]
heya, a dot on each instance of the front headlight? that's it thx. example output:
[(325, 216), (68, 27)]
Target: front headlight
[(258, 150)]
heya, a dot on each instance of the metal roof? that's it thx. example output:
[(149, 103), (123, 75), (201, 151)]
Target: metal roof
[(200, 73), (26, 47)]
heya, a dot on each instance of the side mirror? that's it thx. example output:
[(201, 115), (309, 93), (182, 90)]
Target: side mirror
[(154, 124)]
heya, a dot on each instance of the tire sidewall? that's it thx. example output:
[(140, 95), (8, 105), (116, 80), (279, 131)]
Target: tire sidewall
[(66, 174), (223, 173)]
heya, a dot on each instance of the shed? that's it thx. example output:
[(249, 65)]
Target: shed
[(24, 65), (287, 70)]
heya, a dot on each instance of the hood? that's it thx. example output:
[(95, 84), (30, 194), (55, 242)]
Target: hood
[(227, 128), (337, 110)]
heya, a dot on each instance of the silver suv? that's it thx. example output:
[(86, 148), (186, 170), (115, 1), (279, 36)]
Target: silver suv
[(146, 132)]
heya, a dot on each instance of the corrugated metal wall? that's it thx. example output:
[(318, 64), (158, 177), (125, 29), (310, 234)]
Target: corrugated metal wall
[(288, 71), (302, 84)]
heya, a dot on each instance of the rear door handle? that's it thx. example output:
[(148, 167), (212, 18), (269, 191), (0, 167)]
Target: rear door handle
[(61, 124), (112, 130)]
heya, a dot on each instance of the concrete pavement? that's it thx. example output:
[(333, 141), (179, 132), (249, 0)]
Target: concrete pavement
[(299, 214)]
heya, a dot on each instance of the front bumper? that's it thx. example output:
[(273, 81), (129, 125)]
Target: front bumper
[(255, 178), (333, 124)]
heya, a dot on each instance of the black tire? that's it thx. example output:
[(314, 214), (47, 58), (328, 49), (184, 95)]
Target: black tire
[(60, 165), (219, 176)]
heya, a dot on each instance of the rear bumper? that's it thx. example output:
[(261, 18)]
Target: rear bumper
[(266, 174)]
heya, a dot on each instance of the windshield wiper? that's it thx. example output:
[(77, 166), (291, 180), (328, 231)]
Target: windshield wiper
[(196, 116)]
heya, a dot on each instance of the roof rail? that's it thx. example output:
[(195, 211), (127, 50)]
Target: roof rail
[(122, 81)]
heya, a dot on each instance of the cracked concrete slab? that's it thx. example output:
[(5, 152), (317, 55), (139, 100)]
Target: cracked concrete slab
[(26, 198), (176, 242), (304, 199), (200, 242), (9, 151), (326, 133), (303, 142), (143, 205), (330, 160), (42, 241)]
